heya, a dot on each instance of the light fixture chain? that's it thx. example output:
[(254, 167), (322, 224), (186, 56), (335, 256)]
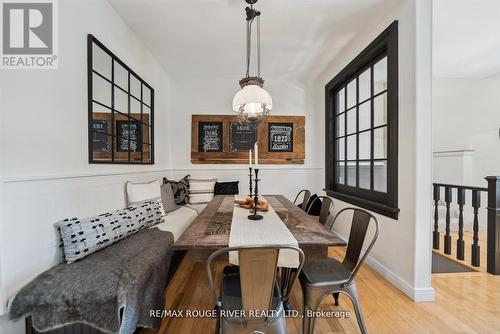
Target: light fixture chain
[(248, 47), (258, 46)]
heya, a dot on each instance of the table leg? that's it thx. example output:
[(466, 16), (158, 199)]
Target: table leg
[(287, 275)]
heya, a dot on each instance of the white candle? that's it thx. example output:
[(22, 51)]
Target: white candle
[(249, 158), (256, 149)]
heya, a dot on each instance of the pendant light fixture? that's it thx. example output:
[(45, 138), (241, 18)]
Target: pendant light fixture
[(252, 103)]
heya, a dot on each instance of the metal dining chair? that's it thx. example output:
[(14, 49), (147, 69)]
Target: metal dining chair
[(252, 286), (305, 199), (326, 206), (322, 277)]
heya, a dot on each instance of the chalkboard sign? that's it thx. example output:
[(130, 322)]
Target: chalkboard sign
[(280, 137), (210, 137), (242, 137), (128, 130), (101, 141)]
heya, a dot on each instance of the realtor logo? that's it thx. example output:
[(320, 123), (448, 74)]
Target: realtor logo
[(28, 34)]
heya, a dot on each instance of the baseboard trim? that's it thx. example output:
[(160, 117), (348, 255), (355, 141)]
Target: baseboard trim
[(424, 295), (415, 294)]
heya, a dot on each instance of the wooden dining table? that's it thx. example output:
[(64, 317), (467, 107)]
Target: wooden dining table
[(210, 230)]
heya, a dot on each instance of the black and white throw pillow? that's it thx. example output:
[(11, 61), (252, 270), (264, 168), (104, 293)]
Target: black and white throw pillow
[(82, 237), (180, 189)]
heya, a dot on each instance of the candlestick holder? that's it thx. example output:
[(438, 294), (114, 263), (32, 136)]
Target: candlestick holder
[(250, 180), (255, 215)]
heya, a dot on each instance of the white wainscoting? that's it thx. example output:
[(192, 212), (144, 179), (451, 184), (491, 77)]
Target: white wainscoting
[(30, 244), (32, 205), (274, 180)]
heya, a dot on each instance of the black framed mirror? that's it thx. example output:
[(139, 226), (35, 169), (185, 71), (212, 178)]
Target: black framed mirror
[(121, 110)]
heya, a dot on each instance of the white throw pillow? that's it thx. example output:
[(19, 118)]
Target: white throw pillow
[(197, 187), (142, 191), (200, 198), (201, 190)]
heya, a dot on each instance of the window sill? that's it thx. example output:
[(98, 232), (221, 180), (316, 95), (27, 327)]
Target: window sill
[(377, 207)]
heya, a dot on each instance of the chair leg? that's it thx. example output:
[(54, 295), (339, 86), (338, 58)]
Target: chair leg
[(336, 297), (352, 293), (311, 303), (217, 326), (308, 322)]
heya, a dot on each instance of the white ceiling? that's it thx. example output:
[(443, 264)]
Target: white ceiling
[(207, 37), (466, 38)]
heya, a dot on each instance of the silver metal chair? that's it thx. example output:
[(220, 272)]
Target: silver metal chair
[(253, 287), (322, 277), (305, 199), (326, 206)]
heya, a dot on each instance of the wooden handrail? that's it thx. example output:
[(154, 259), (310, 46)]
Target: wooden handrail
[(460, 187)]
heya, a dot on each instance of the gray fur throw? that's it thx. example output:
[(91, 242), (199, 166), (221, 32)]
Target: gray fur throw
[(128, 276)]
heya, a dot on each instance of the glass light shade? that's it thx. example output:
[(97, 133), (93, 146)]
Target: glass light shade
[(252, 101)]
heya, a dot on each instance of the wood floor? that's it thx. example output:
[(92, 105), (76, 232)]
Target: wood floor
[(465, 303)]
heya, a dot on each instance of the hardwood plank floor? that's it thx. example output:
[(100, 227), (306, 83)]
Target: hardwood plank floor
[(465, 303)]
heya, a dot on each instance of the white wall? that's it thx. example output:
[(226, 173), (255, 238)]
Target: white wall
[(466, 115), (213, 95), (43, 185), (407, 263), (402, 252), (45, 172)]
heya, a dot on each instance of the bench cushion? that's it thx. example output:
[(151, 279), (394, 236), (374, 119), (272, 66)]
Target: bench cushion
[(198, 207), (177, 221)]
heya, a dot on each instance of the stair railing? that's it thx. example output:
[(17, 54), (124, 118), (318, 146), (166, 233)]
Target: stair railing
[(493, 221)]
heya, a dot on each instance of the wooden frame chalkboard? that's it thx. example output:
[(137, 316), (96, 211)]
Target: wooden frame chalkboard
[(210, 137), (242, 137), (101, 142), (129, 136), (280, 137), (228, 154)]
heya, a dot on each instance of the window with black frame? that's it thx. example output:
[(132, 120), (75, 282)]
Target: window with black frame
[(121, 110), (362, 128)]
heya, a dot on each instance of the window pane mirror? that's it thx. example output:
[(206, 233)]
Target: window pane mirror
[(121, 109)]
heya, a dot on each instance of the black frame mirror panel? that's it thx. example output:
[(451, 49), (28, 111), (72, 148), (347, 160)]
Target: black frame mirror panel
[(362, 128), (120, 110)]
